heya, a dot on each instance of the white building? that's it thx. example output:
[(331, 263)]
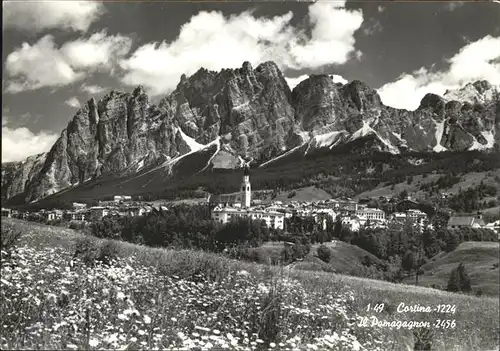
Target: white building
[(98, 212), (223, 213), (372, 214), (416, 214), (352, 223), (273, 219)]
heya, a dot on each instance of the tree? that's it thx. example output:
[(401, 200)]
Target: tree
[(465, 284), (324, 253), (459, 280), (454, 281)]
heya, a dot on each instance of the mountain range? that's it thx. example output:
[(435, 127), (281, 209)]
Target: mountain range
[(244, 116)]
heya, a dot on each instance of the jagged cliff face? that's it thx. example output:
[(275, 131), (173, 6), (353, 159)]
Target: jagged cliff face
[(16, 175), (248, 114)]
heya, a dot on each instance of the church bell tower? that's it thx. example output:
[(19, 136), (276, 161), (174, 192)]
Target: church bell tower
[(246, 190)]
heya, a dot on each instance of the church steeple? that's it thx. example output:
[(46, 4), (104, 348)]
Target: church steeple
[(246, 188)]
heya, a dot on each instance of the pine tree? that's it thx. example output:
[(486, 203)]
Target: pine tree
[(454, 281), (465, 284)]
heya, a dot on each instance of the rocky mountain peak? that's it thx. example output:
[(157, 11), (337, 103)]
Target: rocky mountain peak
[(433, 102), (139, 90), (482, 85), (246, 68), (361, 95), (246, 113)]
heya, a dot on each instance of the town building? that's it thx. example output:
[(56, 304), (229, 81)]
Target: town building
[(466, 222), (416, 215), (372, 214), (6, 212), (494, 226), (122, 198), (227, 208), (273, 219), (79, 206), (98, 212)]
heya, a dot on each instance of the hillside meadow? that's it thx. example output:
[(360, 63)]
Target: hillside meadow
[(481, 260), (63, 290)]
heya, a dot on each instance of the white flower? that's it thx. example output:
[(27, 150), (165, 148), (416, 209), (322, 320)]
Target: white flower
[(147, 319), (93, 342), (120, 295)]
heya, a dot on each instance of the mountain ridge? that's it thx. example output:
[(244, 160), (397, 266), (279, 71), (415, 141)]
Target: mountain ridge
[(254, 117)]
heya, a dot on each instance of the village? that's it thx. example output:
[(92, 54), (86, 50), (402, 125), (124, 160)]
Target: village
[(354, 214)]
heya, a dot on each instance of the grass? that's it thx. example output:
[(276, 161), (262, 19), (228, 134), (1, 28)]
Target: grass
[(155, 298), (481, 262), (309, 194), (345, 257)]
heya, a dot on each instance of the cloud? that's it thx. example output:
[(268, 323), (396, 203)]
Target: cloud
[(73, 102), (373, 26), (293, 82), (36, 16), (97, 51), (42, 64), (213, 41), (19, 143), (92, 89), (475, 61)]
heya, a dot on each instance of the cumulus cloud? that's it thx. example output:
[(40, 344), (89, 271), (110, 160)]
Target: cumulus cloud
[(19, 143), (44, 65), (213, 41), (475, 61), (36, 16), (73, 102), (92, 89), (293, 82), (97, 51)]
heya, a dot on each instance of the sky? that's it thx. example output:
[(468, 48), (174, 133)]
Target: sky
[(58, 54)]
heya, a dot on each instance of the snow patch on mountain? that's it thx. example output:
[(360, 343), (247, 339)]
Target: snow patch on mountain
[(439, 135), (281, 156), (367, 130), (490, 141), (193, 145), (478, 92), (326, 140)]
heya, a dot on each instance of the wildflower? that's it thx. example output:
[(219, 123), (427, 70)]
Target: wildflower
[(122, 317), (93, 342), (120, 295), (147, 319)]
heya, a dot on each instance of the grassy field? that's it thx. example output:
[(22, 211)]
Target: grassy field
[(481, 261), (155, 298), (310, 193), (345, 257)]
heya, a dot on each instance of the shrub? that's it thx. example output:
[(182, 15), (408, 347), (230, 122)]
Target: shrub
[(92, 252), (459, 280), (10, 237), (324, 253)]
